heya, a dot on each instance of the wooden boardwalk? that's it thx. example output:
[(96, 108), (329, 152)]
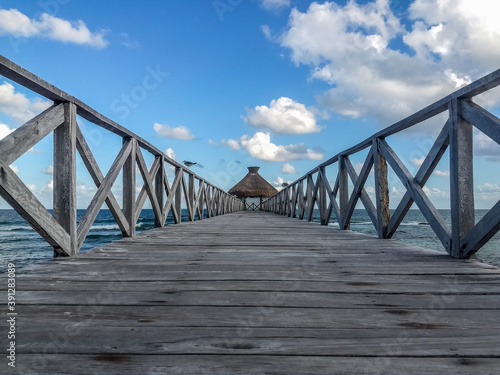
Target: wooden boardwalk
[(257, 293)]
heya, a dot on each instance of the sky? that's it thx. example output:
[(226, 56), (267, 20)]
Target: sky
[(280, 84)]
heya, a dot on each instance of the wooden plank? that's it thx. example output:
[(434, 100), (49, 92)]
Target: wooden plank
[(381, 190), (482, 232), (240, 362), (64, 178), (257, 290), (160, 190), (485, 121), (103, 191), (129, 184), (98, 177), (461, 178), (26, 136), (21, 199)]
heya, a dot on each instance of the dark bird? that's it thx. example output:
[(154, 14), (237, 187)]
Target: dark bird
[(188, 163), (284, 184)]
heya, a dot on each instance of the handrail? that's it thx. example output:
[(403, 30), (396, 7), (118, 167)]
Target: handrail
[(61, 230), (465, 237)]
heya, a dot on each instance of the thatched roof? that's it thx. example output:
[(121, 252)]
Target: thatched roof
[(253, 185)]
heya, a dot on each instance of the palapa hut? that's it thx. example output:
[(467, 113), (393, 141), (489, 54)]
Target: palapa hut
[(253, 185)]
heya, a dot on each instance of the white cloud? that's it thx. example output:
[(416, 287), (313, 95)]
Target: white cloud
[(275, 5), (487, 192), (171, 153), (180, 132), (18, 106), (439, 173), (17, 24), (284, 116), (279, 183), (260, 146), (418, 162), (354, 48), (5, 131), (288, 169), (49, 170), (486, 148), (14, 168), (231, 143)]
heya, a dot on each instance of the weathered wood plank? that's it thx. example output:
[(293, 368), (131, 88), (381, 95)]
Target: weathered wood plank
[(258, 291), (26, 136), (461, 178), (64, 178)]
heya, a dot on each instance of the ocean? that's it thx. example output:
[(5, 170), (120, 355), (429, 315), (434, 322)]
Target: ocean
[(21, 245)]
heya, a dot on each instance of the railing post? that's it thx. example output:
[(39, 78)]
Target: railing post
[(322, 196), (343, 194), (461, 178), (64, 179), (129, 184), (381, 190), (191, 197), (160, 191), (178, 197), (309, 194)]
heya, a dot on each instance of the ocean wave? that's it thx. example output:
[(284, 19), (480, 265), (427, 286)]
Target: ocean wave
[(16, 228), (105, 227)]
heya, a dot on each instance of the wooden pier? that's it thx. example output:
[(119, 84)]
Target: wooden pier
[(257, 293)]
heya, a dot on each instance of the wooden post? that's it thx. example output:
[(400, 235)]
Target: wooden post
[(64, 179), (461, 178), (381, 190), (129, 183), (309, 194), (322, 196), (344, 223), (178, 197), (160, 191), (191, 193)]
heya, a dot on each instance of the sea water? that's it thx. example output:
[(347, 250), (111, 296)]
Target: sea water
[(21, 245)]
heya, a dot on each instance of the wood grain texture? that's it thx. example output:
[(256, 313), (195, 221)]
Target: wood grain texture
[(255, 292)]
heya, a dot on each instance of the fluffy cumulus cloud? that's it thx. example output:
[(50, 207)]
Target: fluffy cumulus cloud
[(18, 106), (283, 116), (17, 24), (370, 58), (180, 132), (260, 146), (288, 169)]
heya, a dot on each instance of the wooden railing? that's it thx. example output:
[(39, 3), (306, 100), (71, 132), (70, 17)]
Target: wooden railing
[(61, 229), (465, 236)]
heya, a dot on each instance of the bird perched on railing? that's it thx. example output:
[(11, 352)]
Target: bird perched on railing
[(188, 163), (284, 184)]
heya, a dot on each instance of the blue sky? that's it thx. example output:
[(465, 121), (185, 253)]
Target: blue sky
[(281, 84)]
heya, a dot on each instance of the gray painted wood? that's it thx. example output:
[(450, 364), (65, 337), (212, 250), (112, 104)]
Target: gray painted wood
[(159, 179)]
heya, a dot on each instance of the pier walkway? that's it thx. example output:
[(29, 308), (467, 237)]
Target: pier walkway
[(257, 293)]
